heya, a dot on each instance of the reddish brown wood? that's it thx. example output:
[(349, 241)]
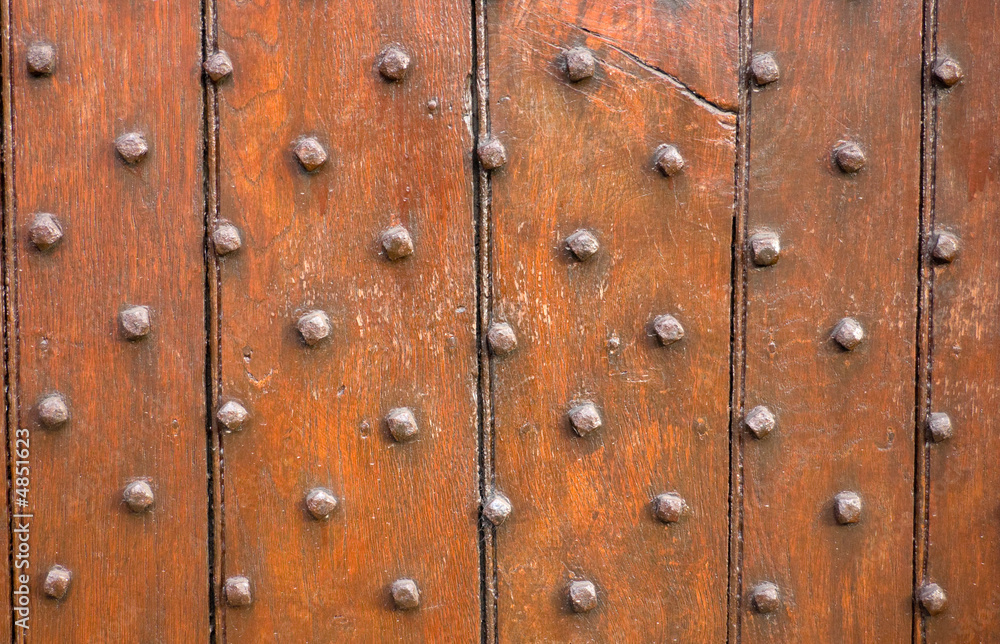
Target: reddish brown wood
[(849, 71), (404, 333), (581, 156), (133, 235)]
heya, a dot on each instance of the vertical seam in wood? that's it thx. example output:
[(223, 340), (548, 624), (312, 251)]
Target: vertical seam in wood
[(10, 349)]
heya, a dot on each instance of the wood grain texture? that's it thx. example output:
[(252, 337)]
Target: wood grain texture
[(964, 508), (404, 332), (581, 156), (849, 71), (133, 235)]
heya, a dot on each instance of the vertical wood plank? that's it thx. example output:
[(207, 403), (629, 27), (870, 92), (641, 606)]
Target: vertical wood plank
[(849, 72), (581, 157), (403, 332), (133, 234)]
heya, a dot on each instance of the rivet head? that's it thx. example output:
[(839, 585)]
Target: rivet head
[(132, 147), (314, 327), (582, 596), (668, 329), (226, 238), (405, 594), (760, 421), (45, 231), (668, 160), (583, 244), (580, 64), (492, 154), (53, 411), (948, 72), (585, 418), (310, 153), (135, 322), (849, 157), (218, 66), (847, 507), (321, 503), (764, 69), (237, 592), (669, 507), (945, 248), (765, 597), (57, 582), (765, 248), (402, 424), (397, 243), (939, 426), (393, 63), (41, 59), (138, 496), (501, 338), (232, 416), (848, 334), (497, 508), (933, 599)]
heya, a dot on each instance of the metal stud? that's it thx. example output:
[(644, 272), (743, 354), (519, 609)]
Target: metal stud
[(765, 248), (314, 327), (497, 508), (138, 496), (41, 59), (668, 329), (948, 72), (492, 154), (669, 507), (218, 66), (226, 238), (405, 594), (397, 243), (53, 410), (848, 334), (402, 424), (765, 597), (585, 418), (57, 582), (321, 503), (847, 507), (939, 426), (764, 69), (580, 64), (502, 338), (849, 157), (933, 599), (310, 153), (668, 160), (760, 421), (945, 248), (45, 231), (583, 244), (132, 147), (232, 415), (237, 592), (582, 596), (134, 322), (393, 63)]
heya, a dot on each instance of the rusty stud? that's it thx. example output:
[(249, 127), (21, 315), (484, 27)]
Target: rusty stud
[(948, 72), (218, 66), (226, 238), (848, 334), (939, 426), (52, 410), (132, 147), (57, 582), (765, 597), (497, 508), (945, 248), (310, 153), (237, 592), (41, 59), (760, 421), (232, 415), (314, 327), (45, 231), (584, 418), (135, 322), (668, 160), (933, 599), (492, 154), (583, 244), (847, 507), (405, 594), (321, 503), (138, 496), (765, 248), (580, 64), (582, 596), (397, 243), (669, 507), (393, 63), (501, 338), (667, 329), (402, 424), (849, 157), (764, 69)]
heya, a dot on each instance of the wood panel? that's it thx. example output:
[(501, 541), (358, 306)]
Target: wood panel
[(964, 509), (849, 73), (582, 156), (132, 235), (403, 331)]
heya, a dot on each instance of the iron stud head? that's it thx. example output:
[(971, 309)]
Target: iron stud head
[(760, 421), (397, 243), (668, 160), (765, 597), (764, 69), (134, 322), (497, 508), (847, 507), (583, 244), (668, 330), (580, 64), (849, 157), (765, 248), (226, 238), (41, 59), (948, 72), (131, 147), (53, 411), (218, 66), (237, 592), (848, 334), (492, 154), (232, 415), (501, 338), (669, 507), (932, 598), (57, 582), (402, 424), (45, 231), (314, 327), (310, 153), (585, 418), (405, 594), (138, 496), (393, 63), (582, 596), (939, 426), (321, 503), (945, 248)]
